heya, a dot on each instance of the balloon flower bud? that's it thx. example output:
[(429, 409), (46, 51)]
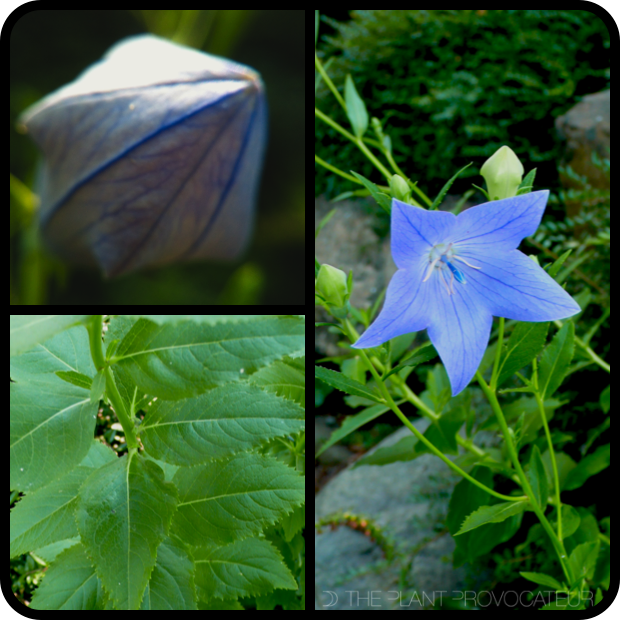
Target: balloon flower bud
[(503, 174), (332, 291), (399, 188), (152, 157)]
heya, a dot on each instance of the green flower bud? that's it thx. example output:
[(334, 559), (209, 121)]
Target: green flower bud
[(399, 188), (332, 290), (503, 174)]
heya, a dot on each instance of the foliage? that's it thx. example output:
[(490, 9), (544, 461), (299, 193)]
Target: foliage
[(533, 486), (205, 508), (588, 234), (454, 85)]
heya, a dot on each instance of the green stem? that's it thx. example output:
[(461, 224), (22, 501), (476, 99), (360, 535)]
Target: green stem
[(555, 541), (121, 412), (554, 465), (357, 141), (587, 350), (319, 67), (344, 175), (427, 412), (394, 407), (95, 331)]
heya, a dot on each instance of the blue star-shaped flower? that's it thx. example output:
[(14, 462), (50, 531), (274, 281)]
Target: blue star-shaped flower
[(455, 273)]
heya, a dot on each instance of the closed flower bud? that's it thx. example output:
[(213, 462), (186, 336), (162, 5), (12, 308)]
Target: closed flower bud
[(503, 173), (399, 188), (332, 289), (152, 156)]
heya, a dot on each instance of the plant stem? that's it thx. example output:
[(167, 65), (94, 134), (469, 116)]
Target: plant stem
[(555, 541), (95, 331), (394, 407)]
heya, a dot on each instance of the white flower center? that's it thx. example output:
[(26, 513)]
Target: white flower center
[(441, 257)]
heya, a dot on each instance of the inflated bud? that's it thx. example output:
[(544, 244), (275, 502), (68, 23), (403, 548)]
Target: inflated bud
[(399, 188), (503, 174), (332, 290), (152, 157)]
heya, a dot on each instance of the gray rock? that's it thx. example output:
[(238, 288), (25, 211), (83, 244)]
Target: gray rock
[(585, 128), (410, 501)]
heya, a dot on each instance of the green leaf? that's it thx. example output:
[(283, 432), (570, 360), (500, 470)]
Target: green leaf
[(123, 514), (556, 360), (75, 378), (525, 343), (46, 516), (557, 264), (421, 355), (356, 108), (179, 360), (382, 199), (52, 423), (543, 580), (527, 183), (587, 467), (234, 498), (221, 422), (218, 605), (345, 384), (605, 399), (111, 348), (352, 423), (286, 378), (466, 498), (293, 523), (27, 330), (316, 26), (571, 520), (70, 583), (442, 433), (446, 187), (98, 388), (211, 319), (537, 477), (492, 514), (245, 568), (582, 560), (171, 586), (402, 450)]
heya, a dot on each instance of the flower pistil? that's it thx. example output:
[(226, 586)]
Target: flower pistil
[(441, 255)]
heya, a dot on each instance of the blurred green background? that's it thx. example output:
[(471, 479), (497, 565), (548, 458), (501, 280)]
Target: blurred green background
[(452, 86), (49, 48)]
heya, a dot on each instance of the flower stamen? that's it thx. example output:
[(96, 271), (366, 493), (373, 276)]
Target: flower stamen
[(441, 255), (464, 261), (430, 269)]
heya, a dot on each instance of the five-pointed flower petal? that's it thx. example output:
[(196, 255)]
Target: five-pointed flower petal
[(456, 272)]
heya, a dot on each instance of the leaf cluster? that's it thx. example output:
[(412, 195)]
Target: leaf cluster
[(207, 512)]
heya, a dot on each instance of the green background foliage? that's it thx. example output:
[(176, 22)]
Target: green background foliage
[(452, 86)]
